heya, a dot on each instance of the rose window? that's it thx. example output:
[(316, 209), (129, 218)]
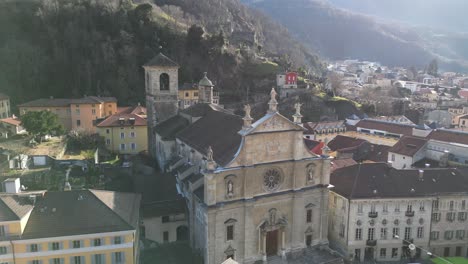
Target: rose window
[(271, 179)]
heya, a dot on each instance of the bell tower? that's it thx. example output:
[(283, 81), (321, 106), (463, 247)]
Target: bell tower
[(161, 88)]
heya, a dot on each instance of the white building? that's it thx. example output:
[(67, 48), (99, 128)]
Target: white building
[(407, 151), (376, 211)]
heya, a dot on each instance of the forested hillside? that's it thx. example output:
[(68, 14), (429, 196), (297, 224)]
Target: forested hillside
[(69, 48), (339, 34)]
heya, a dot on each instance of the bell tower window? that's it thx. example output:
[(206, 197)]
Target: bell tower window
[(164, 82)]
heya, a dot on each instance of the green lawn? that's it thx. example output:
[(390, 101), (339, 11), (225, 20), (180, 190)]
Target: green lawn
[(454, 260)]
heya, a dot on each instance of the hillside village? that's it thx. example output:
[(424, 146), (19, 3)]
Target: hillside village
[(365, 163)]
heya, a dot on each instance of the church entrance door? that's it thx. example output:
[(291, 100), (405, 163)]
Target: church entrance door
[(272, 243)]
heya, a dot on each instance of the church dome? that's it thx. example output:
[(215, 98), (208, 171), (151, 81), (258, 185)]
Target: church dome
[(205, 81)]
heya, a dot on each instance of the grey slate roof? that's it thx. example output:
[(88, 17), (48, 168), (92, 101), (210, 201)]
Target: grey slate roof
[(378, 180), (82, 212), (198, 110), (44, 102), (218, 130), (170, 127), (161, 60), (14, 207), (61, 102)]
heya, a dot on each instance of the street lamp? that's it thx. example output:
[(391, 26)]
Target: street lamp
[(412, 247)]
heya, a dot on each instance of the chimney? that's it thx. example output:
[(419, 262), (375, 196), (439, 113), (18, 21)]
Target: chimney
[(421, 175), (12, 185)]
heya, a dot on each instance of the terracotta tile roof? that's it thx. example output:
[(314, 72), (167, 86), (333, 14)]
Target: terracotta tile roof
[(378, 153), (449, 136), (408, 145), (136, 110), (341, 142), (161, 60), (123, 120), (341, 163), (395, 128), (463, 93), (217, 129), (11, 121), (378, 180)]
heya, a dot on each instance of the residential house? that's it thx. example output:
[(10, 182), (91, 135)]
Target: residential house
[(4, 106), (10, 126), (377, 211), (463, 121), (188, 95), (125, 132), (286, 80), (74, 114), (83, 226), (407, 151)]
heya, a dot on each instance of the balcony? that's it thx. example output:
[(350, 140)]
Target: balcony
[(409, 213), (373, 214), (371, 242), (406, 242)]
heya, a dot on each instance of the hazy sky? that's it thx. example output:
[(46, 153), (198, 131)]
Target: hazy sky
[(445, 14)]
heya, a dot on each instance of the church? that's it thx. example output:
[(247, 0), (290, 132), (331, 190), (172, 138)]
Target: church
[(253, 190)]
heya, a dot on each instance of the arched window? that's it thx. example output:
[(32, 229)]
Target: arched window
[(182, 233), (164, 82)]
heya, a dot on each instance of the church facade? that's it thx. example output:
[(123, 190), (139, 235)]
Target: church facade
[(253, 189)]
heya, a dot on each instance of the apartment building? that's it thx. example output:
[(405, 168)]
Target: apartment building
[(74, 114), (125, 132), (377, 211), (69, 227), (4, 106)]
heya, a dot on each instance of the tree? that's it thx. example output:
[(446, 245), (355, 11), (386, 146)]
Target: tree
[(194, 37), (433, 68), (41, 123)]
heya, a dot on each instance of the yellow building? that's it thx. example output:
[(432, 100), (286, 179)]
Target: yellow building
[(4, 106), (188, 95), (125, 132), (69, 227), (75, 114)]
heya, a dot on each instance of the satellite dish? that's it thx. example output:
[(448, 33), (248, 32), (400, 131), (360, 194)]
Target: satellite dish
[(412, 247)]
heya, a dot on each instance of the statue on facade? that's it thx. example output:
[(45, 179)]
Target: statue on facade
[(209, 154)]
